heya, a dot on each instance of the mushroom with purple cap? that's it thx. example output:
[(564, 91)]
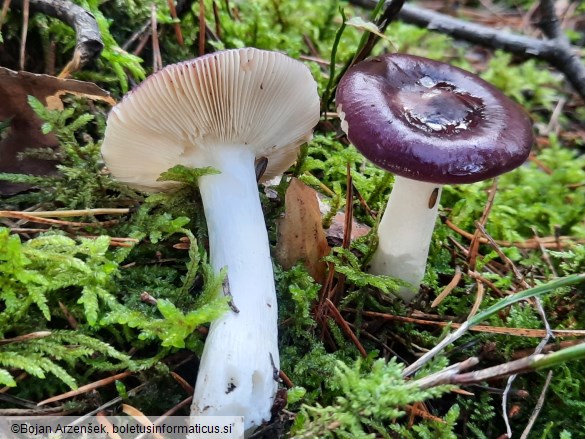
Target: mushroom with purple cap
[(430, 124), (223, 110)]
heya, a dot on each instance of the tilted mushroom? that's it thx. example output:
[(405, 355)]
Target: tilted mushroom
[(430, 124), (223, 110)]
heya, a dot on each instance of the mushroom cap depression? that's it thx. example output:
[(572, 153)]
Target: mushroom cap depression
[(429, 121), (246, 98)]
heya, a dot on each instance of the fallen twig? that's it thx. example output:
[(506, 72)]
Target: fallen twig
[(447, 290), (545, 242), (156, 56), (24, 33), (453, 374), (285, 379), (345, 327), (26, 337), (474, 245), (89, 40), (202, 28), (30, 217), (500, 330), (176, 24), (537, 407), (478, 318), (65, 213), (557, 51), (86, 388), (4, 12)]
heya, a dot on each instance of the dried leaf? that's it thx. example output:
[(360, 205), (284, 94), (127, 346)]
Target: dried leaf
[(335, 230), (300, 233), (360, 23), (25, 127)]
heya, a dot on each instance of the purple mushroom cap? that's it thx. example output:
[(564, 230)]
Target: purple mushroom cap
[(429, 121)]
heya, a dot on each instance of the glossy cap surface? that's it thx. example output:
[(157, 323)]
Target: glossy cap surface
[(429, 121)]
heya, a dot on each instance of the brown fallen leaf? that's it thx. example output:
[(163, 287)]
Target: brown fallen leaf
[(25, 126), (335, 230), (300, 232)]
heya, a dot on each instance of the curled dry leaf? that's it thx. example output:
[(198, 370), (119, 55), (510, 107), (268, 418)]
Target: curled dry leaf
[(335, 231), (25, 126), (300, 232)]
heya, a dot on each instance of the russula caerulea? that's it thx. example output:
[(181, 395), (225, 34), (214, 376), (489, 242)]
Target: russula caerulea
[(223, 110), (430, 124)]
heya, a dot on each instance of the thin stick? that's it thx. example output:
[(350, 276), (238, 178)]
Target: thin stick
[(142, 42), (478, 299), (475, 241), (89, 42), (111, 402), (547, 242), (156, 56), (507, 261), (84, 389), (537, 407), (558, 52), (173, 410), (501, 330), (26, 337), (177, 24), (5, 8), (218, 31), (68, 316), (453, 375), (188, 388), (545, 255), (551, 347), (390, 13), (145, 28), (114, 241), (364, 203), (348, 209), (41, 220), (202, 27), (345, 327), (498, 306), (553, 123), (490, 284), (24, 32), (450, 287), (66, 213), (505, 407), (285, 379)]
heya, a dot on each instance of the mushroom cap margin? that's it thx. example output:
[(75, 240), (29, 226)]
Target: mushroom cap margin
[(430, 121), (247, 98)]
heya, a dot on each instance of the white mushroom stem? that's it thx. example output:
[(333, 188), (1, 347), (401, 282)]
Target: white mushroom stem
[(240, 358), (405, 233)]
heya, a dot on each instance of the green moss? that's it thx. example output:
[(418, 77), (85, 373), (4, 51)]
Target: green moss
[(51, 278)]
